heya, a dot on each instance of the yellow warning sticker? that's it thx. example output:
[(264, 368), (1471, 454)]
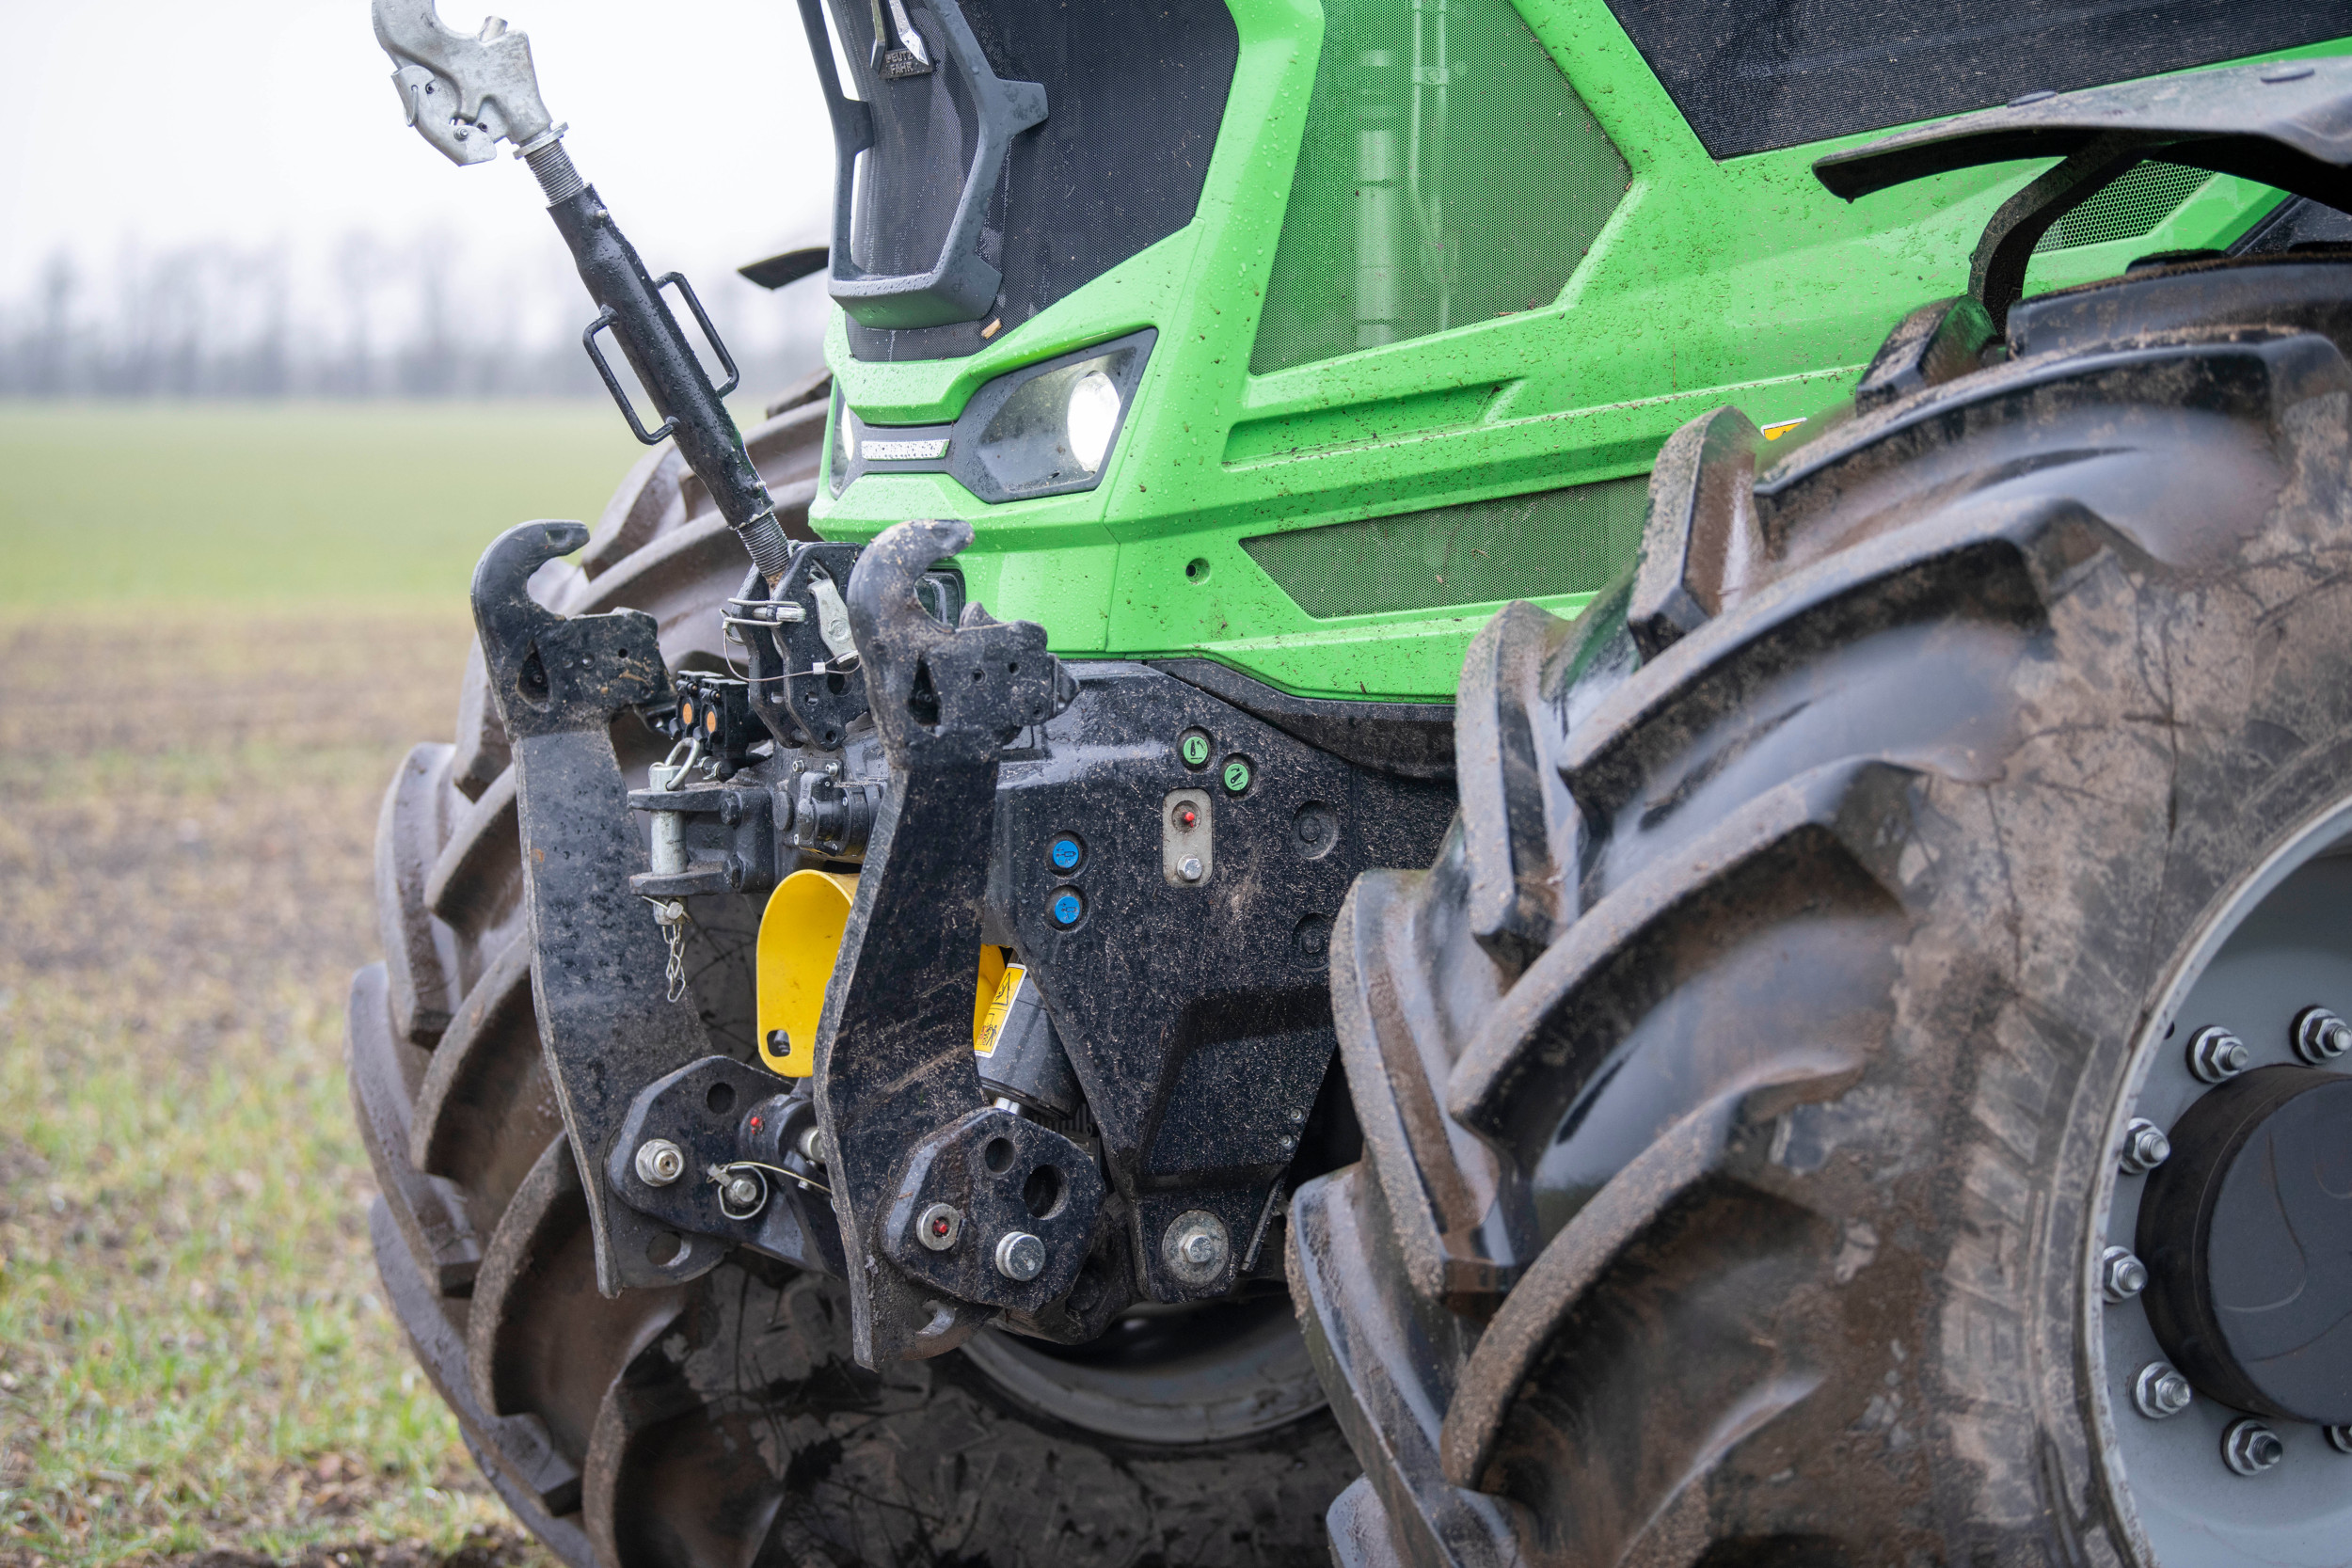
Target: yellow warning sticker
[(1775, 432), (992, 1025)]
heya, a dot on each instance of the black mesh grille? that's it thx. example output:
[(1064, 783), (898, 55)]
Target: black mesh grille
[(1133, 93), (1754, 74), (2128, 209), (1567, 541)]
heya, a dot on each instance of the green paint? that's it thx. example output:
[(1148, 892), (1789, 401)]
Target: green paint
[(1687, 284)]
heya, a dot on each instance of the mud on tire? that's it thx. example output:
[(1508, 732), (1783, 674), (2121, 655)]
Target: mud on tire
[(723, 1422), (1742, 1087)]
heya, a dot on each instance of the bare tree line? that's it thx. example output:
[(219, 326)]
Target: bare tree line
[(365, 318)]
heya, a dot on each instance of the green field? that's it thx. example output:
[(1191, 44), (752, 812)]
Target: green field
[(220, 629), (213, 503)]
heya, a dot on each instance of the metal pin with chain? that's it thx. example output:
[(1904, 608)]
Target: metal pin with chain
[(670, 914)]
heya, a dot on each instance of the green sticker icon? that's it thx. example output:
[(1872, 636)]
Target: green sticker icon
[(1236, 776), (1195, 750)]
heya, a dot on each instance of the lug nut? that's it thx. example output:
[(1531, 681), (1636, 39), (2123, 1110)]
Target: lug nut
[(1189, 868), (2321, 1036), (2251, 1448), (2145, 1146), (2160, 1392), (938, 1226), (2121, 1276), (1020, 1256), (1196, 1246), (2340, 1439), (659, 1161), (2215, 1055)]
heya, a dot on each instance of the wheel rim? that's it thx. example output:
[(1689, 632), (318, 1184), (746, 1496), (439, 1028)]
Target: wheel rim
[(2223, 1483), (1203, 1375)]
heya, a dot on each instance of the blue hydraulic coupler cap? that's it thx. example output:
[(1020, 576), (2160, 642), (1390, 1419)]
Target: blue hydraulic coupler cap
[(1066, 907), (1066, 852)]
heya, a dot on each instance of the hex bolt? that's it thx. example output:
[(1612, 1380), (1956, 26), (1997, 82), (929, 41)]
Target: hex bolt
[(2160, 1392), (1020, 1256), (2251, 1448), (659, 1161), (1196, 1246), (2321, 1036), (742, 1195), (2340, 1439), (2121, 1276), (2215, 1055), (938, 1226), (2145, 1146), (1189, 868)]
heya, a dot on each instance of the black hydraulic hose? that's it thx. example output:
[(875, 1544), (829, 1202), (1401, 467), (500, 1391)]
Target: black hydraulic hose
[(691, 409)]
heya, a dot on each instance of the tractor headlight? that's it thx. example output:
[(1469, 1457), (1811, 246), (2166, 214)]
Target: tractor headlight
[(1046, 429)]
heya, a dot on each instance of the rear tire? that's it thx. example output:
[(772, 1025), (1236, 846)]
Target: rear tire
[(724, 1422), (1744, 1088)]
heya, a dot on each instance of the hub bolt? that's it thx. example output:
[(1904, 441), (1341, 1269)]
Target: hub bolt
[(2251, 1448), (1020, 1256), (1196, 1246), (2321, 1036), (2160, 1392), (2145, 1146), (938, 1226), (659, 1161), (2340, 1439), (2215, 1055), (2121, 1276)]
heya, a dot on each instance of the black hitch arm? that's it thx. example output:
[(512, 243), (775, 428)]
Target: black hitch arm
[(928, 1183), (597, 958)]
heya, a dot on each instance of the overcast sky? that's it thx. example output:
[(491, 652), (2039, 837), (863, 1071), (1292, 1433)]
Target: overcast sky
[(158, 123)]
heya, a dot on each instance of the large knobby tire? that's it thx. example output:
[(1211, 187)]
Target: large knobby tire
[(1744, 1089), (724, 1422)]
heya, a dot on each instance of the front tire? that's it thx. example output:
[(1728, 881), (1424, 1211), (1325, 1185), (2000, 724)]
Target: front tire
[(1745, 1086)]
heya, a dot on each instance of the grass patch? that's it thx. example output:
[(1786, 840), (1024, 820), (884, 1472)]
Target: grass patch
[(209, 504), (193, 1357)]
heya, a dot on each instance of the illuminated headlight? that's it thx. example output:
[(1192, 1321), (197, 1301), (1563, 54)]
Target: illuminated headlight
[(1046, 429), (1092, 419)]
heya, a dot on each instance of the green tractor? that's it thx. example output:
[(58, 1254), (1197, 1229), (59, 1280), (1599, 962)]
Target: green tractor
[(1488, 782)]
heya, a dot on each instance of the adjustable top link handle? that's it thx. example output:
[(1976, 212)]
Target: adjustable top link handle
[(464, 94)]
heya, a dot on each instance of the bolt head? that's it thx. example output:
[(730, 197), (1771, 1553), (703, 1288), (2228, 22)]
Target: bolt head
[(2145, 1146), (1189, 868), (938, 1226), (1020, 1256), (2321, 1036), (2161, 1392), (659, 1161), (1195, 1245), (2251, 1448), (2215, 1055), (2121, 1275), (743, 1192)]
